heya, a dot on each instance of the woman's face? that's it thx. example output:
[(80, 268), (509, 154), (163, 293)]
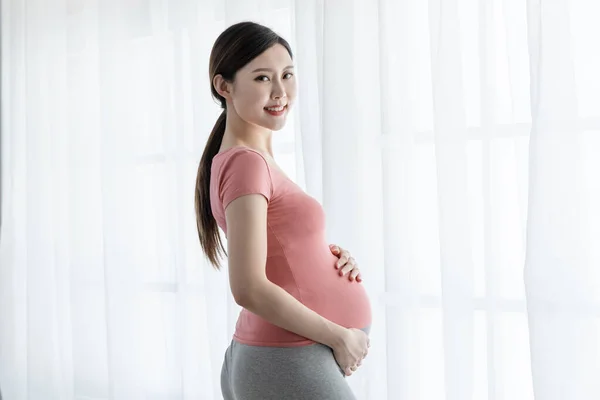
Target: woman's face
[(264, 90)]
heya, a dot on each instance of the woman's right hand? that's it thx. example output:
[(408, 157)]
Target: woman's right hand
[(351, 350)]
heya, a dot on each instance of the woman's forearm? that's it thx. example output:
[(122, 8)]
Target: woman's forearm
[(280, 308)]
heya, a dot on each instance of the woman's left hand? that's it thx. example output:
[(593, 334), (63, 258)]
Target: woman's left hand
[(346, 263)]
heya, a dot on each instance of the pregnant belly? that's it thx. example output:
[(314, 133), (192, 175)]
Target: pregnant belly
[(336, 298), (317, 284)]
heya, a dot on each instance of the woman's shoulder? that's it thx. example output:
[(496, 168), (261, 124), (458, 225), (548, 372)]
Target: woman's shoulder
[(241, 158), (236, 151), (240, 170)]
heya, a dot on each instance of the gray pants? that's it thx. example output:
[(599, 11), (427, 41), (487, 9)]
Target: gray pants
[(283, 373)]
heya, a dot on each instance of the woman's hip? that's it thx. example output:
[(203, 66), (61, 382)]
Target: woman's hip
[(294, 373)]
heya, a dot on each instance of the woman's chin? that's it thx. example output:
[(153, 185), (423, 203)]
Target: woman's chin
[(274, 126), (278, 128)]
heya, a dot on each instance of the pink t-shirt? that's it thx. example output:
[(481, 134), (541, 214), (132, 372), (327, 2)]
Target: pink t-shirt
[(298, 256)]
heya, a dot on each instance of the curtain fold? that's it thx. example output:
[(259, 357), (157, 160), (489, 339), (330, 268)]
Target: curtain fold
[(561, 274), (453, 145)]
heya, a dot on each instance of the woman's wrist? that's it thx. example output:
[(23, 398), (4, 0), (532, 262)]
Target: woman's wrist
[(335, 334)]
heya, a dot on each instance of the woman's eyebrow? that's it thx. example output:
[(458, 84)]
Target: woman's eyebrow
[(269, 69)]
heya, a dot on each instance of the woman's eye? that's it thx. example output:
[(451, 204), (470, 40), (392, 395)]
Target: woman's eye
[(288, 75), (262, 78)]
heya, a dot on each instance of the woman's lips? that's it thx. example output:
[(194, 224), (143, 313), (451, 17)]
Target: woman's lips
[(276, 111)]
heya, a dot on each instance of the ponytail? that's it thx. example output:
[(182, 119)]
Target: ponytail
[(208, 230)]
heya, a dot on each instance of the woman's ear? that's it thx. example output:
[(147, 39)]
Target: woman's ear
[(222, 86)]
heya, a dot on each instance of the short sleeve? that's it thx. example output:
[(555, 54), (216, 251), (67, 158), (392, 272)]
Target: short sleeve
[(244, 172)]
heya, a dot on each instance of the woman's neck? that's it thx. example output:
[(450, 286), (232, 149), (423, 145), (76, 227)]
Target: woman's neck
[(247, 135)]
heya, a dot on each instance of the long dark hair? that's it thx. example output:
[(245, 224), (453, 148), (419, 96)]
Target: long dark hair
[(234, 48)]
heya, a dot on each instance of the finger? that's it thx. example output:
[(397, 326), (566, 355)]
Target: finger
[(347, 268), (354, 273), (359, 278), (359, 363), (334, 249), (353, 368), (344, 259), (350, 265), (341, 262), (348, 371)]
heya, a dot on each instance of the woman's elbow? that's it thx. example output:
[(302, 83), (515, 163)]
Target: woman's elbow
[(245, 296), (242, 297)]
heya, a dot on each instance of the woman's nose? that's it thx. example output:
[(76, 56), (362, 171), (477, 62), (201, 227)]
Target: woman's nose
[(278, 91)]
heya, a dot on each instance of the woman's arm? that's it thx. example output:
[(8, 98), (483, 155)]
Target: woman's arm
[(247, 249)]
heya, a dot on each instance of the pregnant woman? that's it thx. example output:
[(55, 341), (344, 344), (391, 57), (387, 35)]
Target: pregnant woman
[(305, 319)]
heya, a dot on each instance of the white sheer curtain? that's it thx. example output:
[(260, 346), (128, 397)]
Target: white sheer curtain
[(562, 272), (439, 136)]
